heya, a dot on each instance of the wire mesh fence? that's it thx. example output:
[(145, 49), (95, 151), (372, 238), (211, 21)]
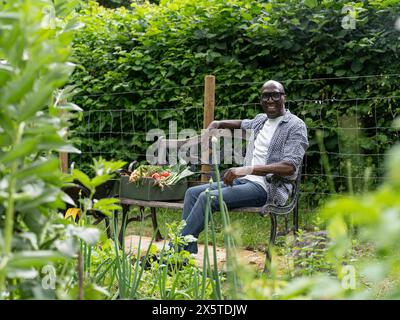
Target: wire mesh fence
[(357, 134)]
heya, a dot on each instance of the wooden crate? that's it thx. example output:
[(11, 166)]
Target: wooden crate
[(146, 190)]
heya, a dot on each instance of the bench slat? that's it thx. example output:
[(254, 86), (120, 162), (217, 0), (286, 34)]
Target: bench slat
[(174, 205), (152, 204)]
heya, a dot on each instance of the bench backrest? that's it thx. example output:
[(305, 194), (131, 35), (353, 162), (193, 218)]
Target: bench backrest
[(201, 145)]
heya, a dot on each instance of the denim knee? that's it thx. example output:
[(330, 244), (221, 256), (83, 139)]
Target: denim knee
[(202, 197), (190, 193), (213, 200)]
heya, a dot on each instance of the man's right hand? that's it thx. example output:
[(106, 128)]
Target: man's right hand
[(213, 125), (225, 124)]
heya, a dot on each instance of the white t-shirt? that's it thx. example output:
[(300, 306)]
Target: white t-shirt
[(261, 145)]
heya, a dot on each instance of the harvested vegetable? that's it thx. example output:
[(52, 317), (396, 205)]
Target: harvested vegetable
[(162, 176)]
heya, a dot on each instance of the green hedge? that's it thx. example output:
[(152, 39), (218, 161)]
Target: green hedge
[(156, 56)]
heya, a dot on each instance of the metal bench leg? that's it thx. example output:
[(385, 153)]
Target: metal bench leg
[(155, 225), (286, 224), (272, 238), (274, 226), (296, 218)]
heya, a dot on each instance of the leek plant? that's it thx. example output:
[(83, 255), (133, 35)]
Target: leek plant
[(231, 256)]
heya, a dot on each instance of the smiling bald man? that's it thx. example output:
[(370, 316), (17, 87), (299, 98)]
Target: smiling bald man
[(277, 145)]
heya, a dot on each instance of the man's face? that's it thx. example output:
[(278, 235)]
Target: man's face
[(273, 100)]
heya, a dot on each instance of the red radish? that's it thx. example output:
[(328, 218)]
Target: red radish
[(156, 176)]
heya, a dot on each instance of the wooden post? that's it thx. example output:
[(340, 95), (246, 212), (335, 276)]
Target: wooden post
[(63, 156), (209, 106)]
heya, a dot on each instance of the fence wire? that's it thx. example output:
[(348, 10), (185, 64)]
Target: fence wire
[(352, 145)]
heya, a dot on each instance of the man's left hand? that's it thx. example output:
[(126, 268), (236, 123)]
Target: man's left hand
[(231, 174)]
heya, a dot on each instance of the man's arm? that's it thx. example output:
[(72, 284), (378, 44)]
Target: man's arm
[(225, 124), (281, 168), (295, 148)]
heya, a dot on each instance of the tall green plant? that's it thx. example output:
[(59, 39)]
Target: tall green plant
[(228, 237), (34, 62)]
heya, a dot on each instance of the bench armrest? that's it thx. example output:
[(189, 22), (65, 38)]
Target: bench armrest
[(276, 181)]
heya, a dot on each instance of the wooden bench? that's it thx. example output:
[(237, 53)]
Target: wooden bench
[(269, 209), (154, 205)]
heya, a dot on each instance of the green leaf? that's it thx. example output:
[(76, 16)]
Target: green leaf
[(21, 85), (311, 3), (107, 206), (356, 66), (6, 72), (29, 259), (340, 73), (21, 150), (90, 235), (9, 16), (91, 292), (34, 102), (67, 199), (6, 123), (35, 221), (70, 107), (82, 178), (67, 247), (39, 169), (35, 195), (56, 143), (99, 180), (102, 166), (68, 149), (72, 25), (16, 273)]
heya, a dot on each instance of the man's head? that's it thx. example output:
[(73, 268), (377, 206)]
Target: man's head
[(273, 99)]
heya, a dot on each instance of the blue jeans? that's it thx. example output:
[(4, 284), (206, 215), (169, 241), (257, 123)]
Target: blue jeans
[(243, 193)]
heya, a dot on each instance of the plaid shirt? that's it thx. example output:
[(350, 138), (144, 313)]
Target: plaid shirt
[(289, 143)]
